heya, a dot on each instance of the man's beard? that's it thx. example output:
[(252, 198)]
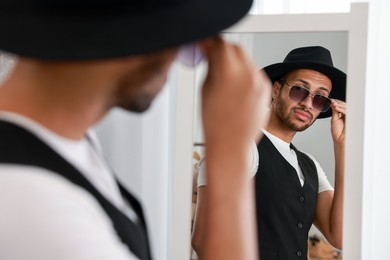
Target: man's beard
[(285, 116), (137, 105)]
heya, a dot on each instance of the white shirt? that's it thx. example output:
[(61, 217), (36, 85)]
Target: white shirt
[(290, 156), (43, 216)]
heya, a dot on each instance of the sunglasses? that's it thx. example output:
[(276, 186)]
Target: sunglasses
[(299, 94), (190, 55)]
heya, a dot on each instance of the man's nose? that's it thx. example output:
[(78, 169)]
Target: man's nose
[(307, 102)]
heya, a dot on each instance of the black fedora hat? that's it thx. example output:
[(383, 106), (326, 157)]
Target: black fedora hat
[(97, 29), (316, 58)]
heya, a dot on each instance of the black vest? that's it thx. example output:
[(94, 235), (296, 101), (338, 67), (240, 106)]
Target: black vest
[(18, 146), (285, 209)]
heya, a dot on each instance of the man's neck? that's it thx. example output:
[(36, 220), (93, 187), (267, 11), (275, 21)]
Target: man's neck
[(63, 103), (278, 129)]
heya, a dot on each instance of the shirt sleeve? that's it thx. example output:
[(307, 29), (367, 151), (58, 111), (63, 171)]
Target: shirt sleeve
[(254, 160), (323, 182), (44, 216)]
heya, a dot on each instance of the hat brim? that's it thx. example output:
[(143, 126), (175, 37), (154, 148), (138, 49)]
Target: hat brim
[(56, 37), (338, 78)]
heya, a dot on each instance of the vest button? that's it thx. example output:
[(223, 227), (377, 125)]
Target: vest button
[(300, 225), (301, 199), (299, 253)]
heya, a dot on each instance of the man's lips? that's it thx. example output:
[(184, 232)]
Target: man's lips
[(302, 115)]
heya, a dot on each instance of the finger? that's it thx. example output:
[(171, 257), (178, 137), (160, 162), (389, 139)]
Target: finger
[(220, 55), (339, 106), (338, 103), (214, 48), (337, 114), (208, 44)]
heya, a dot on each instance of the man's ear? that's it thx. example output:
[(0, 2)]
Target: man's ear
[(276, 88)]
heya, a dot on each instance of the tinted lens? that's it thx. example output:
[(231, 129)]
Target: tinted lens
[(298, 94), (190, 55), (321, 103)]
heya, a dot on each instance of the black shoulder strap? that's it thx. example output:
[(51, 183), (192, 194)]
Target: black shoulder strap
[(18, 146)]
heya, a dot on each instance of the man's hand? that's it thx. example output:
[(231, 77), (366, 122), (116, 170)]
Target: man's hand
[(235, 94), (339, 110)]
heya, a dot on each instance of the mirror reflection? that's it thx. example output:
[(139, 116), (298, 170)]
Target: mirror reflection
[(299, 186)]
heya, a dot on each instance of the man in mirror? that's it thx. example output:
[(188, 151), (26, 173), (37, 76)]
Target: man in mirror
[(292, 190)]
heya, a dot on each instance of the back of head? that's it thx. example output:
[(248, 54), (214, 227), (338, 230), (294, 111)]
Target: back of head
[(97, 29)]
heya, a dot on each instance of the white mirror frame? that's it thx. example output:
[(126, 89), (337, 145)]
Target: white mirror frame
[(355, 23)]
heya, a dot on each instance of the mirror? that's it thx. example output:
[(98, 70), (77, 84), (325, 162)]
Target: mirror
[(269, 48), (354, 25)]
